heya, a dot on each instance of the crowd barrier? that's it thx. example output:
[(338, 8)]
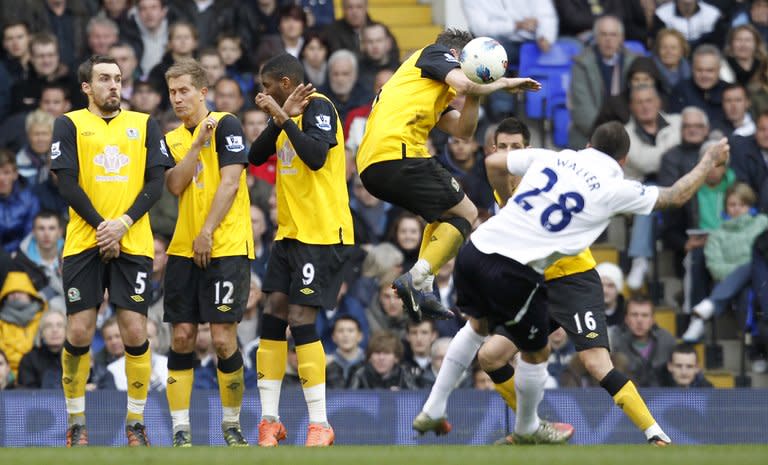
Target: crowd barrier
[(37, 418)]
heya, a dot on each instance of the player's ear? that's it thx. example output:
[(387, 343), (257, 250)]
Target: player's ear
[(204, 91), (85, 87)]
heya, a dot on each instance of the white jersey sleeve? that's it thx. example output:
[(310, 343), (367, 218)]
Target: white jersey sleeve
[(634, 197), (518, 161)]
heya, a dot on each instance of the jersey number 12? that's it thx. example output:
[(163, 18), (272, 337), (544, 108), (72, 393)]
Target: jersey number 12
[(566, 211)]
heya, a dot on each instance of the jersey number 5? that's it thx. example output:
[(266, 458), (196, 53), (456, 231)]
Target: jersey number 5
[(562, 206)]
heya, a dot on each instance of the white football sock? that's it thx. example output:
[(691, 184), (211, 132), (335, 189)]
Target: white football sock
[(655, 430), (269, 395), (419, 272), (529, 387), (315, 398), (461, 352)]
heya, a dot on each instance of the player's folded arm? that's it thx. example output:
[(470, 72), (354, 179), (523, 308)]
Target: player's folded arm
[(264, 145)]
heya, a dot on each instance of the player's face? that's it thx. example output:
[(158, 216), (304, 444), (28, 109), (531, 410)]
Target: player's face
[(8, 176), (275, 88), (421, 338), (735, 104), (735, 207), (610, 293), (683, 368), (390, 302), (639, 319), (105, 86), (346, 336), (383, 362), (409, 234), (507, 142), (112, 340), (46, 232), (706, 71), (16, 41), (40, 137), (54, 330), (186, 99)]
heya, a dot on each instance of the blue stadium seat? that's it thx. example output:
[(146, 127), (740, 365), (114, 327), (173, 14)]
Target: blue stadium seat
[(637, 47), (547, 68), (322, 9), (561, 119)]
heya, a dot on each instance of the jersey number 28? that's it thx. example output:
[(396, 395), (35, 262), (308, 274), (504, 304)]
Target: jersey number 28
[(566, 210)]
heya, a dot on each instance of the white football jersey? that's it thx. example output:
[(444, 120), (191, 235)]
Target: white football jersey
[(562, 205)]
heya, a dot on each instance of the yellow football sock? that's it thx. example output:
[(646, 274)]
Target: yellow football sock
[(507, 391), (138, 370), (444, 244), (426, 238), (231, 387), (271, 358), (179, 391), (74, 376), (311, 359), (633, 405)]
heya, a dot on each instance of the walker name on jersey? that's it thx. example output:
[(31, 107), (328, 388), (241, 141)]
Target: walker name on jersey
[(589, 178), (112, 161)]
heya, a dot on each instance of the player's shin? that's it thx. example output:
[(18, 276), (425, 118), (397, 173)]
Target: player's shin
[(231, 385), (311, 358), (504, 383), (271, 359), (625, 395), (529, 387), (181, 376), (138, 370), (444, 243), (76, 366)]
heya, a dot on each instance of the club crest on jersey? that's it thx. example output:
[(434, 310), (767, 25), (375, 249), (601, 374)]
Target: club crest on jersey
[(112, 161), (286, 154), (235, 143), (55, 150), (132, 133), (73, 294), (196, 178), (323, 122)]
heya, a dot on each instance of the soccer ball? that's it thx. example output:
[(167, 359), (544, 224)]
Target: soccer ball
[(483, 60)]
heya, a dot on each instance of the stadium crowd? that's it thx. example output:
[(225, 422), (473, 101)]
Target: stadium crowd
[(705, 75)]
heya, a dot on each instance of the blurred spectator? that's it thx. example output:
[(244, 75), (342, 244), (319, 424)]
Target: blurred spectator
[(598, 73), (698, 21), (344, 33), (437, 355), (116, 10), (378, 53), (758, 16), (561, 351), (405, 233), (182, 45), (20, 310), (464, 160), (256, 18), (148, 33), (744, 55), (210, 18), (347, 335), (237, 63), (314, 56), (126, 59), (156, 280), (736, 109), (446, 291), (513, 22), (613, 288), (18, 205), (480, 379), (683, 370), (159, 375), (112, 350), (357, 118), (748, 161), (343, 87), (646, 346), (228, 96), (101, 33), (380, 264), (651, 134), (32, 161), (40, 368), (248, 328), (293, 22), (54, 100), (16, 58), (641, 73), (386, 312), (67, 20), (46, 68), (728, 255), (704, 89), (670, 54), (577, 17), (420, 336), (39, 254), (211, 61), (369, 214), (382, 369), (146, 98), (254, 121), (260, 243), (7, 378)]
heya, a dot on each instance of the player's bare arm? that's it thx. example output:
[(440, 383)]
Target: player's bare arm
[(498, 176), (222, 202), (461, 123), (459, 81), (178, 178), (682, 190)]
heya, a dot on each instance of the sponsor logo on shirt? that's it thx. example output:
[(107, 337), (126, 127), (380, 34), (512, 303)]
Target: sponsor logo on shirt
[(55, 150), (112, 161), (323, 122), (235, 143)]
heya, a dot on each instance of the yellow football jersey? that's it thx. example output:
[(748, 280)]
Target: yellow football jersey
[(234, 235), (313, 206), (111, 159), (408, 106)]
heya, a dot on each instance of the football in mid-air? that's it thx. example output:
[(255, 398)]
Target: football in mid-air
[(483, 60)]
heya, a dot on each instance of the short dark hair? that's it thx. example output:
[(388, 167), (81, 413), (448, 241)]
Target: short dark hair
[(454, 38), (15, 21), (736, 85), (684, 348), (612, 139), (344, 318), (384, 341), (233, 81), (513, 125), (7, 158), (44, 214), (85, 70), (284, 65), (55, 86), (640, 299), (415, 324)]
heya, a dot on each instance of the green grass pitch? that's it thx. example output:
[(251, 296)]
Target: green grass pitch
[(393, 455)]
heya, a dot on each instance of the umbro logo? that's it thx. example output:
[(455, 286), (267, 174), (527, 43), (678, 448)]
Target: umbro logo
[(591, 335), (171, 380), (259, 375), (223, 308), (233, 386), (66, 380), (306, 291), (137, 298), (303, 381), (137, 384)]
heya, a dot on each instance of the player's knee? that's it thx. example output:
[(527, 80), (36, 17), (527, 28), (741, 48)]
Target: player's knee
[(597, 362), (536, 356), (277, 306), (300, 315), (183, 341), (489, 359), (224, 346), (462, 224), (79, 334)]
